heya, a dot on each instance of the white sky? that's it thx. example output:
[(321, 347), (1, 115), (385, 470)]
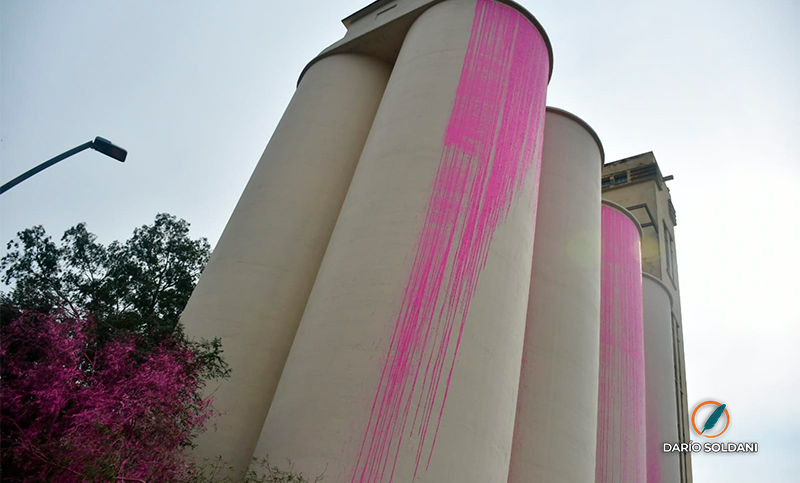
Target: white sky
[(194, 88)]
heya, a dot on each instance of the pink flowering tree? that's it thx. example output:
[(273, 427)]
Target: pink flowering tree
[(75, 411)]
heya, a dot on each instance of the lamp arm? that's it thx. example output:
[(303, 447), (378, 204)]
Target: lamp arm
[(19, 179)]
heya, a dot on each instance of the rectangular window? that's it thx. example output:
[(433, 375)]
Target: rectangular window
[(667, 250), (669, 254), (621, 178)]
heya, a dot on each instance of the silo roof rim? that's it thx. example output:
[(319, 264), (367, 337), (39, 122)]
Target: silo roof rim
[(347, 21), (585, 125), (661, 284), (625, 212)]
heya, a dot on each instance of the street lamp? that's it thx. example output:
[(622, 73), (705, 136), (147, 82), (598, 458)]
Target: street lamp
[(99, 144)]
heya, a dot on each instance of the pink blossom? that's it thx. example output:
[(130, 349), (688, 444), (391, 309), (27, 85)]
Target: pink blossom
[(75, 412)]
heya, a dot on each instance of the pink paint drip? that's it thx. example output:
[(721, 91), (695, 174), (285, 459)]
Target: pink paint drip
[(621, 422), (491, 150)]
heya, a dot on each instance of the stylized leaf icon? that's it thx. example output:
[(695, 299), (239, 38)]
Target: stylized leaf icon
[(712, 420)]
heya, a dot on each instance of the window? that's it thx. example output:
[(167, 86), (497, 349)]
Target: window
[(614, 179), (669, 254)]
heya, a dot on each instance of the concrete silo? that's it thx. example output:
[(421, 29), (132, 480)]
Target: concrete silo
[(621, 417), (256, 285), (662, 401), (554, 436), (406, 363)]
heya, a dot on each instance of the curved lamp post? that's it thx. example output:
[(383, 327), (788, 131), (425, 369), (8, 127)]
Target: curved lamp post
[(99, 144)]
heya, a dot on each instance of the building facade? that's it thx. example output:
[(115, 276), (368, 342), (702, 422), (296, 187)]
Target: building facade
[(417, 283), (638, 184)]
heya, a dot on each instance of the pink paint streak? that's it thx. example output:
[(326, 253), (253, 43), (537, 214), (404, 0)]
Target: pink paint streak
[(621, 421), (491, 152)]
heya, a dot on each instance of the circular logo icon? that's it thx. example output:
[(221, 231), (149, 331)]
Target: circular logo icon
[(712, 420)]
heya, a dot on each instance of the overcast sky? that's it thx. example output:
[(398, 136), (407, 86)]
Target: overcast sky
[(193, 89)]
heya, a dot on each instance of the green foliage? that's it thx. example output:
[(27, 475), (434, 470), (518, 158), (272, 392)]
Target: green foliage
[(260, 471), (133, 291), (137, 287)]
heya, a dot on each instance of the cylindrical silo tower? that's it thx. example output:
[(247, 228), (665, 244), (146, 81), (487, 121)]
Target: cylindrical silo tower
[(662, 401), (621, 418), (256, 285), (406, 363), (554, 437)]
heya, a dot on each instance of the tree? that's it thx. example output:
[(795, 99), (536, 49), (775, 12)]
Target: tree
[(98, 381), (74, 411), (137, 287)]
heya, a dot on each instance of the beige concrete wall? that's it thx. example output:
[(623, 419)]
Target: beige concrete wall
[(363, 389), (670, 280), (555, 437), (255, 287), (662, 408)]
